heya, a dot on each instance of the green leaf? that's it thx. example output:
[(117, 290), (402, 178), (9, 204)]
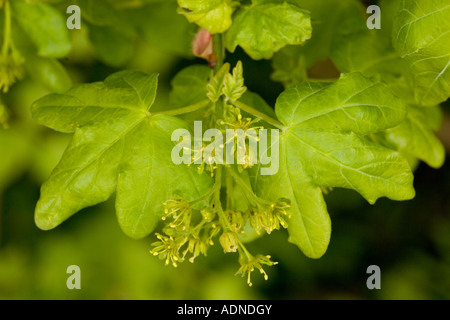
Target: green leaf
[(214, 15), (327, 18), (389, 9), (233, 85), (162, 27), (114, 53), (415, 136), (327, 124), (379, 58), (324, 145), (104, 23), (98, 12), (118, 145), (289, 66), (309, 226), (215, 86), (147, 163), (354, 37), (291, 63), (354, 103), (45, 26), (422, 37), (255, 101), (264, 28), (189, 86), (48, 72)]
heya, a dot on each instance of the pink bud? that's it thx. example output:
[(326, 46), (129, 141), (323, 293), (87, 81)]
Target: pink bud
[(202, 46)]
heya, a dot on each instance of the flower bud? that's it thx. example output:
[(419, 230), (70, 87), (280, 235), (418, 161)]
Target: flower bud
[(202, 46), (208, 214), (229, 242)]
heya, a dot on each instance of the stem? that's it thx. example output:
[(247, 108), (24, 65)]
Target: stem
[(7, 31), (248, 255), (218, 50), (260, 115), (206, 196), (229, 183), (200, 105), (217, 202), (199, 226), (220, 110), (247, 189)]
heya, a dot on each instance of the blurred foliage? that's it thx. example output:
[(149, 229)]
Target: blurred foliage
[(408, 240)]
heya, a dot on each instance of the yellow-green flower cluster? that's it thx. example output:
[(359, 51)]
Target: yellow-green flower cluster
[(167, 248), (180, 211), (271, 218), (197, 156), (249, 264), (190, 230), (181, 236), (11, 62), (235, 121), (11, 70)]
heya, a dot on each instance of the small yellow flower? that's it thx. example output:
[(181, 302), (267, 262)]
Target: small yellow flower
[(213, 230), (10, 70), (208, 214), (271, 218), (278, 213), (181, 212), (236, 121), (236, 220), (196, 247), (168, 248), (197, 158), (249, 263)]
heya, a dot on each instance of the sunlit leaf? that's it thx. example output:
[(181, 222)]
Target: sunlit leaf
[(422, 37), (214, 15), (324, 145), (264, 28), (45, 27), (117, 145)]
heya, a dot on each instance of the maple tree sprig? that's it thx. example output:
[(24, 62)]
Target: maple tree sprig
[(182, 237), (223, 90), (347, 132)]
